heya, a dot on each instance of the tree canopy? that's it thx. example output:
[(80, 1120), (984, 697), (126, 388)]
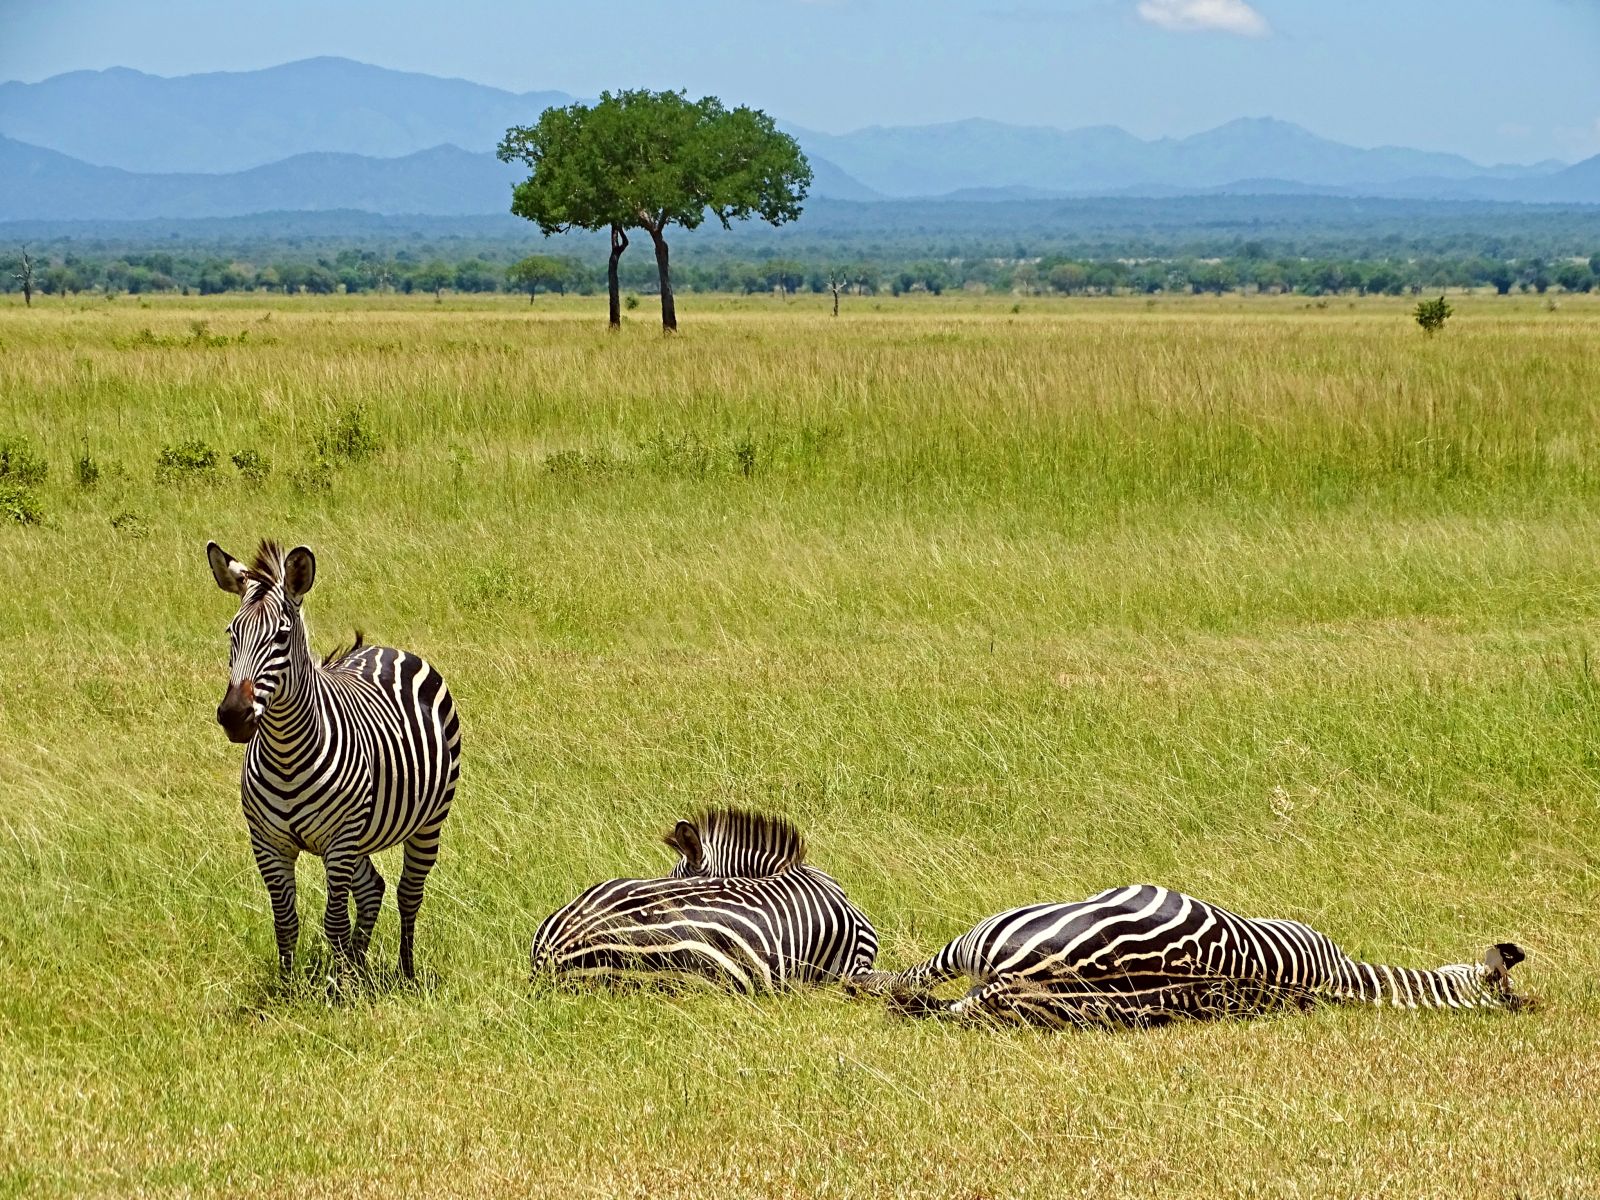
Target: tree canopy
[(647, 160)]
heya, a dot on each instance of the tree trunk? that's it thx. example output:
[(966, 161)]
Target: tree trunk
[(669, 311), (619, 243)]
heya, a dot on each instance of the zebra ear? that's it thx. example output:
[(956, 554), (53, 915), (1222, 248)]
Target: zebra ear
[(225, 569), (1501, 957), (685, 839), (299, 572)]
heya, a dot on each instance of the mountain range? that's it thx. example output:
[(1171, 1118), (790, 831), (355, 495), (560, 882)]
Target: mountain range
[(329, 133)]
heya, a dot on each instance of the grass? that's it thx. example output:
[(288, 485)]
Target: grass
[(1288, 607)]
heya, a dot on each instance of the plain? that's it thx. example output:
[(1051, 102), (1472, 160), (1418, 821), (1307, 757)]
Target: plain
[(1283, 604)]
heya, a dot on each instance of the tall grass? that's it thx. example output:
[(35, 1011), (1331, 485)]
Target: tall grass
[(1287, 607)]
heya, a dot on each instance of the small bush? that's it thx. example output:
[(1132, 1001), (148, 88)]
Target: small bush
[(187, 462), (1432, 314), (19, 504), (88, 470), (744, 455), (20, 464), (130, 525), (251, 464), (578, 462), (348, 438), (315, 476), (630, 302)]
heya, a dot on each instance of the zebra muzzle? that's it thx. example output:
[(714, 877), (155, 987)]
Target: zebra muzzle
[(237, 712)]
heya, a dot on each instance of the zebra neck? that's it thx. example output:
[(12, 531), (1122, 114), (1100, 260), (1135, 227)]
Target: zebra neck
[(1402, 987), (292, 726)]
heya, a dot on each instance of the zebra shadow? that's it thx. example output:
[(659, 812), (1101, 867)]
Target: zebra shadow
[(316, 982)]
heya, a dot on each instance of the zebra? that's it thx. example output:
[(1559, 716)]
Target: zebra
[(740, 906), (342, 759), (1142, 955)]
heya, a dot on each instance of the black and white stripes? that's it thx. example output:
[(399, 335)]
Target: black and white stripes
[(343, 758), (1145, 954), (740, 906)]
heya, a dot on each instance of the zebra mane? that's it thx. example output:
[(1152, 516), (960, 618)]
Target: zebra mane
[(339, 653), (268, 566), (734, 842)]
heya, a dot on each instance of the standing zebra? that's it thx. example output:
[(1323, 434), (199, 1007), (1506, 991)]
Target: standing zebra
[(1143, 954), (740, 906), (343, 758)]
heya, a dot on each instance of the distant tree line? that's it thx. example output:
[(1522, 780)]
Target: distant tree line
[(365, 270)]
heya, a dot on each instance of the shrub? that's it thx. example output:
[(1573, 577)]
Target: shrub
[(347, 438), (20, 464), (1432, 314), (315, 476), (252, 464), (130, 525), (88, 470), (630, 302), (19, 504), (187, 462)]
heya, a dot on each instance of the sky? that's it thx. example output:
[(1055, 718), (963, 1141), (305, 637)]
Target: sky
[(1496, 80)]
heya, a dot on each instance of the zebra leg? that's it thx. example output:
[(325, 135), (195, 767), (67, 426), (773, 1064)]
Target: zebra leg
[(340, 865), (422, 850), (1062, 1002), (277, 872), (367, 888)]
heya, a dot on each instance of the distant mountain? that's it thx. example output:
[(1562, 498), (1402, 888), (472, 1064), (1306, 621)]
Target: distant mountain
[(962, 156), (234, 120), (330, 133), (37, 184), (444, 180)]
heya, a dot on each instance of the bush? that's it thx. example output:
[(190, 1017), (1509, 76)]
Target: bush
[(19, 504), (252, 464), (347, 438), (187, 462), (1432, 314), (130, 525), (20, 464), (88, 470)]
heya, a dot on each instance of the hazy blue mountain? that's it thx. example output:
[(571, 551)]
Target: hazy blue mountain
[(963, 156), (38, 184), (332, 133), (35, 182), (233, 120)]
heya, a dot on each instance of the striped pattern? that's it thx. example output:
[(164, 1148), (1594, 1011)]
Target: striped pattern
[(345, 758), (740, 907), (1145, 954)]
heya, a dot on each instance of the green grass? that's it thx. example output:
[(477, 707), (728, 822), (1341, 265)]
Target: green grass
[(1288, 607)]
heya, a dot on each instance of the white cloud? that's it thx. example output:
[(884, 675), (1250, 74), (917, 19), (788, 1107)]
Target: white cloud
[(1188, 16)]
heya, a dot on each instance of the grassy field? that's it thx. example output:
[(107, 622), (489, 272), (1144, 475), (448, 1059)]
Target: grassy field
[(1282, 605)]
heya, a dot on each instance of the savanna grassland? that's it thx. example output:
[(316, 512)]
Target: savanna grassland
[(1286, 606)]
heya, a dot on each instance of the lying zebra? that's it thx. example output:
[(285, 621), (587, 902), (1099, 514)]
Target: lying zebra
[(1143, 955), (741, 906)]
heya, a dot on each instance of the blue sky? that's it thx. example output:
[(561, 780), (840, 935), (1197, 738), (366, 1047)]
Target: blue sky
[(1498, 80)]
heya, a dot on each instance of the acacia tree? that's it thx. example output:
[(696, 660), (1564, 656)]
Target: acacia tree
[(647, 160), (539, 270)]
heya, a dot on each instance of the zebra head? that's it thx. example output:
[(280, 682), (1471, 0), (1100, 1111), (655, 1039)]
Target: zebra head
[(1489, 982), (262, 631), (732, 843)]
